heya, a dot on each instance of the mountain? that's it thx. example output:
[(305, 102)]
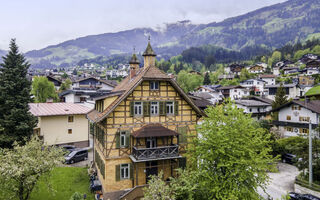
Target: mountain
[(271, 27)]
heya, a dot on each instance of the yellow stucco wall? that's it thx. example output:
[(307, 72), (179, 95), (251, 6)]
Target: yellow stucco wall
[(120, 119), (54, 129)]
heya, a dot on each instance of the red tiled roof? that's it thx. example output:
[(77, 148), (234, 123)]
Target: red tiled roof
[(53, 109), (153, 130)]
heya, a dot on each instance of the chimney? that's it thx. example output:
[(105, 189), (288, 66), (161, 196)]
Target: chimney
[(149, 56), (134, 66)]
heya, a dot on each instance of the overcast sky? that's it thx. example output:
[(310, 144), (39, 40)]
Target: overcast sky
[(39, 23)]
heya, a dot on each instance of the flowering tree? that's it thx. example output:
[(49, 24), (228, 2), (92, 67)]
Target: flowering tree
[(158, 189), (22, 166)]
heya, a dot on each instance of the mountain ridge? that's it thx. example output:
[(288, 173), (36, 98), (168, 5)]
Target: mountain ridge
[(272, 26)]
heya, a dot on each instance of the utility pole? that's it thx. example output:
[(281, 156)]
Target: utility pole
[(310, 154)]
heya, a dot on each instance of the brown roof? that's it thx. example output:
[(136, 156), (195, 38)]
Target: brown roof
[(153, 130), (53, 109), (267, 76), (129, 84)]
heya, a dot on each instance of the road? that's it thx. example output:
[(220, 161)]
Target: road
[(281, 182)]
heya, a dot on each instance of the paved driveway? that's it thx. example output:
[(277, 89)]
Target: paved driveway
[(281, 182)]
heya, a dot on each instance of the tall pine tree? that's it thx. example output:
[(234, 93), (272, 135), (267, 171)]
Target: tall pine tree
[(206, 80), (280, 98), (16, 121)]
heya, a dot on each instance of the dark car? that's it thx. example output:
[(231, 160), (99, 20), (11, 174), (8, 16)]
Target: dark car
[(297, 196), (289, 158), (76, 155), (68, 147)]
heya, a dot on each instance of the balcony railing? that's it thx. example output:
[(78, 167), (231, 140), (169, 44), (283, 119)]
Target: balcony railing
[(155, 153)]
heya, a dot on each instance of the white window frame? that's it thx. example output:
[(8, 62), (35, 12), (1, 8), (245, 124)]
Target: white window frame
[(124, 171), (153, 85), (154, 108), (171, 107), (137, 108), (123, 138)]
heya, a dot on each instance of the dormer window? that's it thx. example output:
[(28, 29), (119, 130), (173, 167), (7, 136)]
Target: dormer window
[(154, 85)]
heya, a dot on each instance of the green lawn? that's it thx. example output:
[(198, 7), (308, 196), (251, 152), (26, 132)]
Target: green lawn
[(65, 181)]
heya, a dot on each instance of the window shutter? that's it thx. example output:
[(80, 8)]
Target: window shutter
[(182, 162), (162, 105), (146, 108), (127, 138), (176, 107), (118, 140), (131, 108), (131, 171), (117, 172), (183, 134)]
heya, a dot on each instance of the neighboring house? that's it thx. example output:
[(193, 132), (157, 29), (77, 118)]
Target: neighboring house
[(57, 83), (212, 97), (295, 116), (234, 69), (256, 85), (61, 123), (225, 90), (208, 88), (255, 69), (142, 130), (238, 92), (276, 71), (82, 95), (306, 80), (91, 82), (308, 58), (290, 69), (258, 109), (269, 79), (292, 90), (226, 76)]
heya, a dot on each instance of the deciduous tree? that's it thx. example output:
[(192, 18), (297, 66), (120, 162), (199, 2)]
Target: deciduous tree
[(22, 166), (43, 89), (231, 155)]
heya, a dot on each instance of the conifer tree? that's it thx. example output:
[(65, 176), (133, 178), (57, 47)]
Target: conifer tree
[(206, 80), (280, 98), (16, 121)]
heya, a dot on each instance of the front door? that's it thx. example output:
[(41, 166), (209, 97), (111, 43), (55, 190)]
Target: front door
[(151, 142), (151, 169)]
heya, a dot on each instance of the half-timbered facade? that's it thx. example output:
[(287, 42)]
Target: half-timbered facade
[(142, 127)]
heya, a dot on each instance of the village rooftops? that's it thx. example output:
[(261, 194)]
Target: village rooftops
[(56, 109), (313, 105), (251, 103), (267, 76), (284, 85)]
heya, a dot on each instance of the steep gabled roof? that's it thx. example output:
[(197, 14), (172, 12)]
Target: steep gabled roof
[(129, 84), (313, 105)]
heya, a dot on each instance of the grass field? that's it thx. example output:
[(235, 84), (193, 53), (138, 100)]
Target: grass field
[(65, 181)]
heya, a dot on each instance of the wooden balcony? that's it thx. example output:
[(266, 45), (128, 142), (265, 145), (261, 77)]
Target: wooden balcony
[(157, 153)]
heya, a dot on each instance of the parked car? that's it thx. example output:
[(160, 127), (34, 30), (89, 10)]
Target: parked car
[(297, 196), (68, 147), (76, 155), (289, 158)]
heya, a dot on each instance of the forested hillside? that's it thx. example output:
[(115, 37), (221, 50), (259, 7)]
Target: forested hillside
[(269, 27)]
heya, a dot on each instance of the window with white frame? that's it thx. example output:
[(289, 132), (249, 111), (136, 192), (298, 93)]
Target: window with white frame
[(154, 85), (123, 139), (154, 108), (137, 108), (169, 108), (124, 171)]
